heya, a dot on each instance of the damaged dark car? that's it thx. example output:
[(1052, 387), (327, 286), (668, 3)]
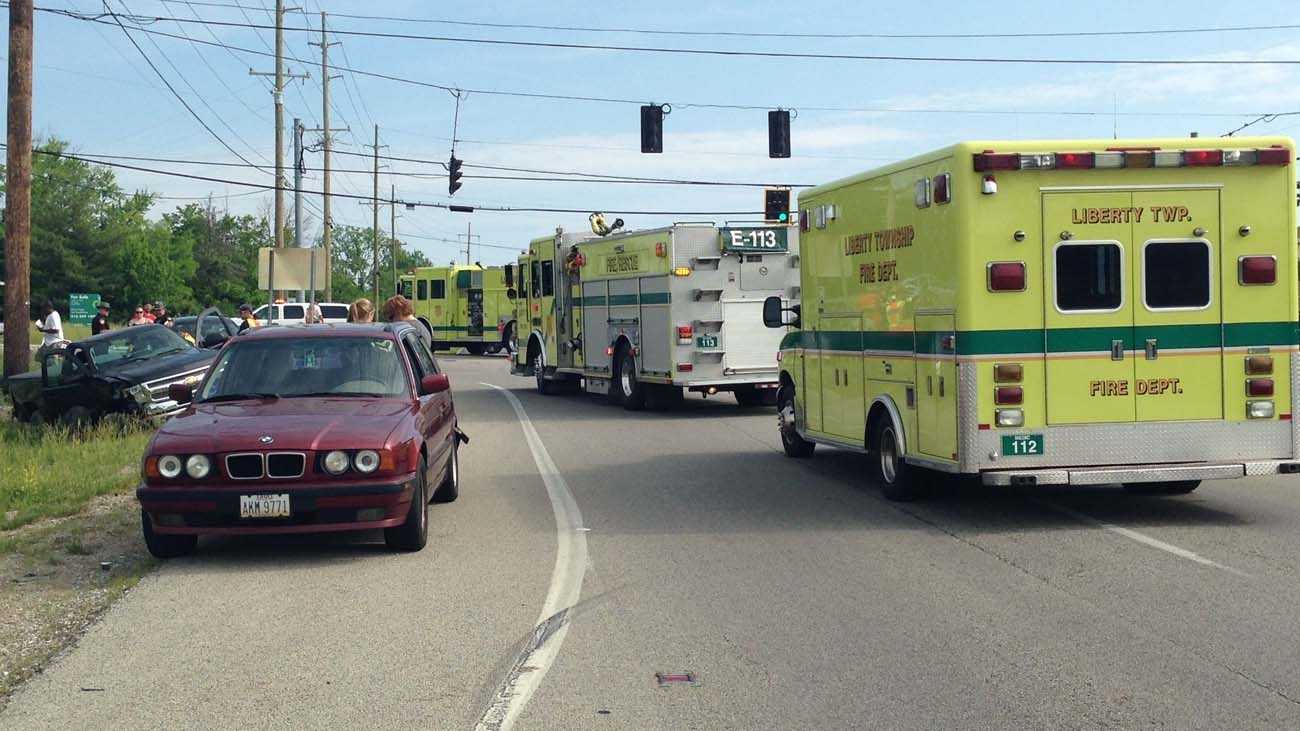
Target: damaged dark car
[(124, 371)]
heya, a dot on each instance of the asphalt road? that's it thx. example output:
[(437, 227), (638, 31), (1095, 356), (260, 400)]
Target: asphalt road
[(793, 594)]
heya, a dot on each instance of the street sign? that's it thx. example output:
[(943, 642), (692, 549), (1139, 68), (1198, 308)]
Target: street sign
[(81, 307), (764, 240)]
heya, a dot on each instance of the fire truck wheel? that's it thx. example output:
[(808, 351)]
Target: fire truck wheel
[(897, 480), (631, 392), (1181, 487), (795, 445), (544, 386)]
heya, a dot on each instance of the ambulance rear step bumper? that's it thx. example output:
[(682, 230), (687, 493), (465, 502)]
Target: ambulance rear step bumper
[(1139, 473)]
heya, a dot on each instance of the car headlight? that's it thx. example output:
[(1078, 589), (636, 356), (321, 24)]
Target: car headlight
[(140, 393), (198, 466), (366, 461), (169, 466), (336, 462)]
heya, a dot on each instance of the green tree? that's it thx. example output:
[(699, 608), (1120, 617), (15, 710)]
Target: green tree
[(353, 255)]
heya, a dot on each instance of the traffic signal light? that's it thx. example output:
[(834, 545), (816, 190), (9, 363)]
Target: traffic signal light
[(776, 205), (778, 133), (652, 128), (454, 174)]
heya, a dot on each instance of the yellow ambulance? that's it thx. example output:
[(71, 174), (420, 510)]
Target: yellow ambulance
[(1064, 312), (464, 305)]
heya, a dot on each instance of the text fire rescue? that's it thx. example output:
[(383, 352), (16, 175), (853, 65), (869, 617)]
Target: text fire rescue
[(886, 240)]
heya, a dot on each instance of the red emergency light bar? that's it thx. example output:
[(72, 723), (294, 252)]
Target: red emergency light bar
[(989, 160)]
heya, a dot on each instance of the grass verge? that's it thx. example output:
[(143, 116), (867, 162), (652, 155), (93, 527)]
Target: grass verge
[(52, 472), (57, 576)]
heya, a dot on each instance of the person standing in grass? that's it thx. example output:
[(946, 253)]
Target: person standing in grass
[(100, 323), (51, 328)]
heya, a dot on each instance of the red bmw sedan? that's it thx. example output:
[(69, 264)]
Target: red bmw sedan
[(305, 430)]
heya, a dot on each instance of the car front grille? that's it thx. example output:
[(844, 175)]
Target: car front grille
[(158, 388), (285, 465), (247, 466)]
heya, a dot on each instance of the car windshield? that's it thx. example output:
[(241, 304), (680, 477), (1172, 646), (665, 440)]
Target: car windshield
[(135, 344), (315, 366)]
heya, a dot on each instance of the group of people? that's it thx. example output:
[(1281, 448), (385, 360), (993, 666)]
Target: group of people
[(149, 314)]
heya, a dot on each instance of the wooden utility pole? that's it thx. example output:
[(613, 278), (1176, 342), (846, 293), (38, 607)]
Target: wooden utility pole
[(18, 191), (375, 229), (392, 230), (327, 143)]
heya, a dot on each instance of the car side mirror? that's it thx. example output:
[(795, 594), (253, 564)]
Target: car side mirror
[(181, 393), (511, 294), (773, 313), (434, 383)]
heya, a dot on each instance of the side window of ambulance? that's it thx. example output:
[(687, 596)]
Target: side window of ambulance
[(438, 289), (523, 284), (1176, 274), (1089, 277), (422, 290), (536, 287), (548, 278)]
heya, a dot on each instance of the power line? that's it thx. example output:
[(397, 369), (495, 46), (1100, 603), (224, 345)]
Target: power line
[(180, 98), (675, 104), (409, 203), (728, 52), (760, 34)]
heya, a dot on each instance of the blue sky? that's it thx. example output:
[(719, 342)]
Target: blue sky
[(94, 89)]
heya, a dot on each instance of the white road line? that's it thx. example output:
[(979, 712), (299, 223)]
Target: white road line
[(1142, 538), (537, 655)]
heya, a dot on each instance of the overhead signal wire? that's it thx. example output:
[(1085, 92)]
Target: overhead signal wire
[(681, 104), (796, 34), (731, 52)]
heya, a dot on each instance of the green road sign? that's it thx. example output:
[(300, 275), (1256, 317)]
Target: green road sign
[(768, 240), (81, 307)]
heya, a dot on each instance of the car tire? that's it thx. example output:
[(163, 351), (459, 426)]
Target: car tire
[(77, 417), (631, 392), (449, 489), (897, 480), (795, 446), (165, 546), (21, 413), (1181, 487), (414, 533)]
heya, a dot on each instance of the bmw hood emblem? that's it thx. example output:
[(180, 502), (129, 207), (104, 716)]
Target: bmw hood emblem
[(266, 439)]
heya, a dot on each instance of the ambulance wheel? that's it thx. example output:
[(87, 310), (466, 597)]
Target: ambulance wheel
[(475, 348), (897, 480), (1182, 487), (630, 390), (795, 445)]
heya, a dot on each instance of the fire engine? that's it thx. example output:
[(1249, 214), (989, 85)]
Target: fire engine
[(641, 316), (1055, 312)]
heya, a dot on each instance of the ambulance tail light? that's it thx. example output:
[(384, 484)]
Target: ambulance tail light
[(1259, 409), (1273, 156), (1008, 372), (684, 334), (1010, 417), (1009, 395), (1075, 160), (1259, 365), (1006, 276), (989, 161), (1257, 269), (685, 367), (1259, 387), (1203, 158)]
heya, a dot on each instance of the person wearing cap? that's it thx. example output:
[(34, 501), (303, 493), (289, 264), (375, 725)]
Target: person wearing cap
[(100, 323), (138, 318), (246, 319), (160, 316)]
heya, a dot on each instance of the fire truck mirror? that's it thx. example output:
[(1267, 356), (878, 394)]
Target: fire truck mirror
[(773, 313), (509, 271), (511, 293)]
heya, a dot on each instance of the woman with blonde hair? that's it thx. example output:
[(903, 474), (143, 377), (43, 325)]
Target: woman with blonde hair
[(361, 311), (399, 309)]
